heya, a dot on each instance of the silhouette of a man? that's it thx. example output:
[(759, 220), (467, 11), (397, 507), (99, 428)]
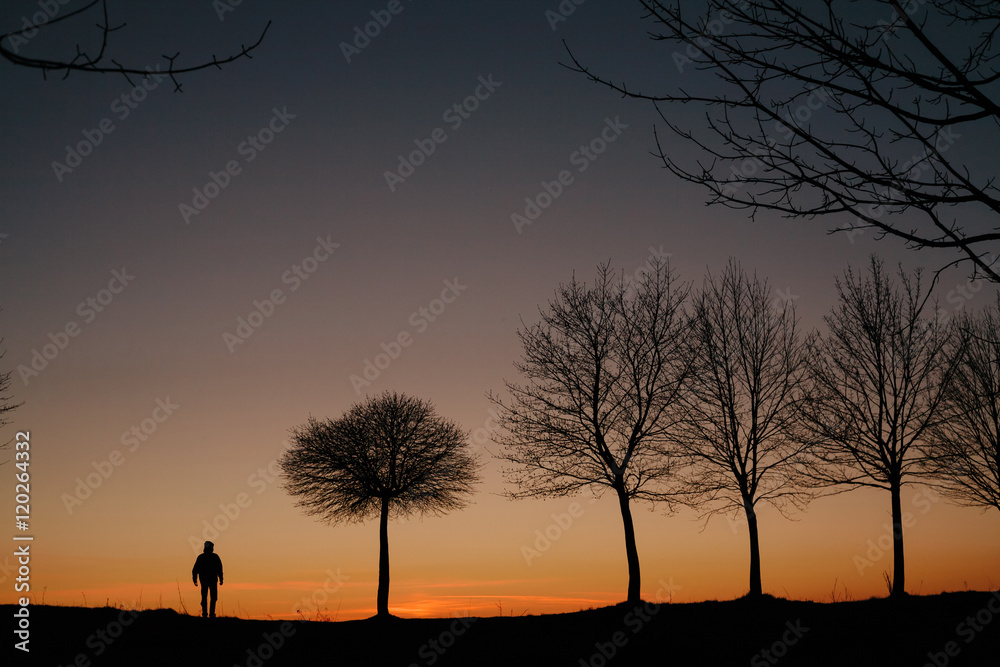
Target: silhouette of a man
[(208, 566)]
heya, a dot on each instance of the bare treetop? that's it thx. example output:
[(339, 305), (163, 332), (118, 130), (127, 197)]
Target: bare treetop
[(603, 369), (741, 410), (878, 379), (845, 109)]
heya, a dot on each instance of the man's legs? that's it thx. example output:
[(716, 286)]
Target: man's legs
[(204, 599), (214, 588)]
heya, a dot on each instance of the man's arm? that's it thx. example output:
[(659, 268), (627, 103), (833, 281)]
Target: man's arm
[(220, 570), (194, 571)]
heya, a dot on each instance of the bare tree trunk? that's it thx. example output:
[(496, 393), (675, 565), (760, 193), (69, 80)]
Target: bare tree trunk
[(382, 603), (755, 586), (634, 578), (898, 571)]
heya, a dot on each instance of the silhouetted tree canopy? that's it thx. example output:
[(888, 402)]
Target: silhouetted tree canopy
[(836, 108), (740, 424), (877, 382), (964, 445), (100, 62), (388, 456), (603, 369)]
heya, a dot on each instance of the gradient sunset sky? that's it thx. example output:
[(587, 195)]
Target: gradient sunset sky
[(356, 256)]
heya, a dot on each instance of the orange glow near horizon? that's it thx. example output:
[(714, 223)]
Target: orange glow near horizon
[(831, 552)]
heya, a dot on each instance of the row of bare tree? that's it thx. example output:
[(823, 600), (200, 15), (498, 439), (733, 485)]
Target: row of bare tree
[(715, 400), (711, 399)]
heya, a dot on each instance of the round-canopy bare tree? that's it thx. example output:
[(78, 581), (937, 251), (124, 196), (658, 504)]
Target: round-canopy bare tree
[(391, 455)]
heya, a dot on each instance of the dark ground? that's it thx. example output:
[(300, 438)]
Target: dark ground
[(916, 631)]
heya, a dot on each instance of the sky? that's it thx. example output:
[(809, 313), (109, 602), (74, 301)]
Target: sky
[(194, 273)]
